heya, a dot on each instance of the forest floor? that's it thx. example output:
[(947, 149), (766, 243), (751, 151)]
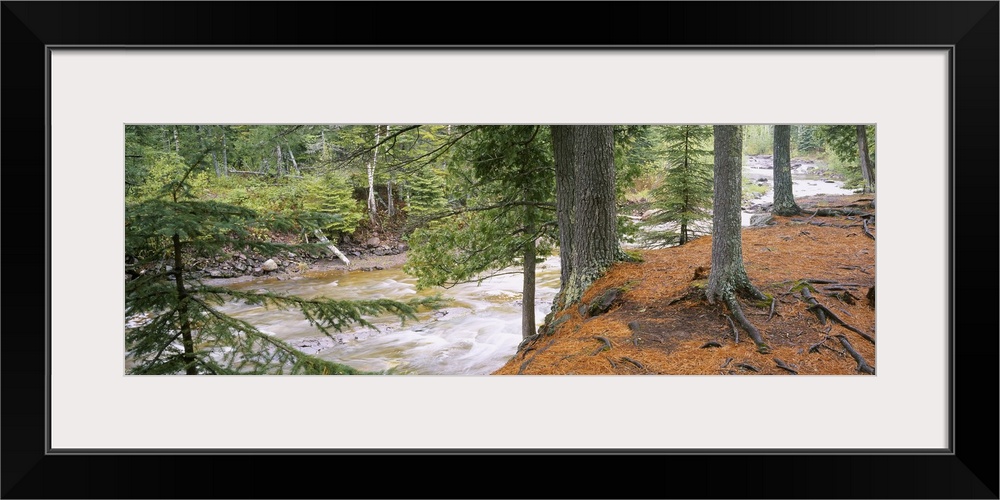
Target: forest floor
[(659, 321)]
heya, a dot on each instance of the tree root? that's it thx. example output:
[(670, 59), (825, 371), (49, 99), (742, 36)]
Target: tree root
[(863, 365), (524, 343), (815, 347), (736, 333), (613, 364), (711, 344), (605, 347), (734, 307), (532, 358), (771, 314), (838, 212), (728, 360), (813, 303), (634, 362), (781, 364), (747, 366), (825, 224), (864, 227), (836, 319)]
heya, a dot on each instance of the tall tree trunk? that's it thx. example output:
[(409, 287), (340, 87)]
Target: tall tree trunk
[(182, 309), (291, 156), (528, 286), (728, 276), (177, 141), (391, 208), (867, 169), (563, 154), (784, 201), (687, 172), (595, 223), (225, 155), (278, 163), (371, 177)]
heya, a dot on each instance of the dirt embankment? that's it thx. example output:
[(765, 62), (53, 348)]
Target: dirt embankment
[(657, 320)]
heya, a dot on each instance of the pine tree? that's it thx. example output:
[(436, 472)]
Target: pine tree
[(506, 219), (183, 331), (685, 197), (728, 277)]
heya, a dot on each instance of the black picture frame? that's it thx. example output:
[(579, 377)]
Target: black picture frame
[(968, 470)]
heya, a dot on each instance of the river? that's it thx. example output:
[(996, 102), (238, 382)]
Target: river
[(476, 332)]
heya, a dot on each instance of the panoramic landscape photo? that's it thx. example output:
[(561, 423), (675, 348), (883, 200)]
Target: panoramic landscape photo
[(456, 249)]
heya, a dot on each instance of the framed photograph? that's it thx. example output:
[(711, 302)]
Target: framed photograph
[(924, 74)]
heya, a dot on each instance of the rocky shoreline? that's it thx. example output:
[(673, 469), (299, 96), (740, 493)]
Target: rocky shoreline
[(371, 255)]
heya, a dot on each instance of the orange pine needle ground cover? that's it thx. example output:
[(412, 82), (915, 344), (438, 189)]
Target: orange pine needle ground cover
[(661, 320)]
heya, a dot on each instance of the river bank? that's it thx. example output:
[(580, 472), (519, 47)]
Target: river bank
[(659, 321)]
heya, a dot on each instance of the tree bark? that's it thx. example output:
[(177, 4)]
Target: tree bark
[(182, 309), (371, 177), (225, 155), (867, 169), (291, 155), (784, 200), (391, 207), (528, 285), (595, 224), (687, 157), (728, 276), (563, 154)]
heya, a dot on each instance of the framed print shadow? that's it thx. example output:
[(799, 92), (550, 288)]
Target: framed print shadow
[(692, 209)]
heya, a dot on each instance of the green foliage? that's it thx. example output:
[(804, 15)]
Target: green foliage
[(636, 152), (842, 142), (331, 194), (184, 330), (503, 180), (806, 139), (758, 139), (685, 197), (425, 194)]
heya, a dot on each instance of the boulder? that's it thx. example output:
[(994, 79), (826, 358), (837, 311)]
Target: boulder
[(604, 302), (761, 220), (373, 242), (269, 265)]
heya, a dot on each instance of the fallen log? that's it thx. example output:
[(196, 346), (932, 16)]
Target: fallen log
[(340, 255)]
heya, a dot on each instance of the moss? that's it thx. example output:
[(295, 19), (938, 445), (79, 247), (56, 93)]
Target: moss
[(632, 256)]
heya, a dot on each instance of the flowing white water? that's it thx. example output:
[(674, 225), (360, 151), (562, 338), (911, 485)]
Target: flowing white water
[(476, 332), (803, 184)]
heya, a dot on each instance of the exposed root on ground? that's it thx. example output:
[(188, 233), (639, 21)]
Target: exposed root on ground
[(737, 311), (863, 365)]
